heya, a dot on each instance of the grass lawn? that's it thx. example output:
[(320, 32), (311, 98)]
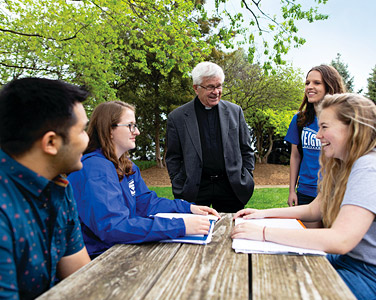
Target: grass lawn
[(262, 198)]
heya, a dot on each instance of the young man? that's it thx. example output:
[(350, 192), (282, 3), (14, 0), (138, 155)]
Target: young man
[(42, 135)]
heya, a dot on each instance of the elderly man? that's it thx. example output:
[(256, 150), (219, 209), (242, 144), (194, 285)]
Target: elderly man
[(209, 155), (42, 135)]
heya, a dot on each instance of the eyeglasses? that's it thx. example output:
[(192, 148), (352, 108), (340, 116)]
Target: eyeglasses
[(212, 88), (132, 126)]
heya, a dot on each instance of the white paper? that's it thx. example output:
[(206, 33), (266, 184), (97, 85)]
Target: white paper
[(194, 238), (251, 246)]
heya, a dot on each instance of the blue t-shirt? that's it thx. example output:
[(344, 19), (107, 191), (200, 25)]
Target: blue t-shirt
[(38, 226), (309, 166), (113, 212)]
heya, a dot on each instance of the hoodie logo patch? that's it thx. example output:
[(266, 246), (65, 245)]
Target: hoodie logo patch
[(132, 187)]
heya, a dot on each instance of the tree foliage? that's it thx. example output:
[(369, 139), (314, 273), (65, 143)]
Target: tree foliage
[(268, 100), (142, 51), (343, 70), (93, 42), (371, 80), (269, 30)]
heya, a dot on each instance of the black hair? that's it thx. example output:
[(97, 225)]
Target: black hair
[(30, 107)]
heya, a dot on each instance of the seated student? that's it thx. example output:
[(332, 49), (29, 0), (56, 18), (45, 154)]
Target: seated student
[(42, 135), (114, 203), (347, 196)]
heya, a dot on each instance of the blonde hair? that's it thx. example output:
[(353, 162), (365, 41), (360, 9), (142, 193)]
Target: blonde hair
[(359, 113), (104, 117)]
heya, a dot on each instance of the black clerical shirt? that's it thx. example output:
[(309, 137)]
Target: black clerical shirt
[(211, 139)]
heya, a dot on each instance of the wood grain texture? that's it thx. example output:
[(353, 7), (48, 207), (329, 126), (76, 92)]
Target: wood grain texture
[(213, 271), (122, 272), (296, 277)]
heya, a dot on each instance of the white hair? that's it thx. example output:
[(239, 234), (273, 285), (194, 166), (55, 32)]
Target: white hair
[(206, 69)]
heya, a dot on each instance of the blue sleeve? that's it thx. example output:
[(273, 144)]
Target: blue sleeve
[(292, 135), (106, 206), (148, 203), (74, 238), (8, 268)]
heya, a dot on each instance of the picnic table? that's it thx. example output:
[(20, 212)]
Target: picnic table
[(213, 271)]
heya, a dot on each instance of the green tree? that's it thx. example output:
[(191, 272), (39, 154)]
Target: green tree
[(267, 126), (78, 40), (154, 96), (141, 50), (92, 42), (269, 30), (371, 94), (268, 100), (342, 69)]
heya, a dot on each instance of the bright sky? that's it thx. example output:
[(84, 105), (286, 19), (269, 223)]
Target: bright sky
[(349, 30)]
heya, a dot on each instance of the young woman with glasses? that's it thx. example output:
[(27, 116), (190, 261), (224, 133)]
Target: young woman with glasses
[(114, 203)]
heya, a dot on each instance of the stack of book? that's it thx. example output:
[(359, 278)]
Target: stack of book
[(251, 246)]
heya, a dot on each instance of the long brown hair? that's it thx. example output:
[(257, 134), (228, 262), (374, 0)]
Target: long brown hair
[(359, 113), (333, 85), (104, 116)]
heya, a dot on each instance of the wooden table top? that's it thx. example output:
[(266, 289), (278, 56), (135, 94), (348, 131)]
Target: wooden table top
[(213, 271)]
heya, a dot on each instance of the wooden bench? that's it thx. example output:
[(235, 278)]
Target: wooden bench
[(215, 271)]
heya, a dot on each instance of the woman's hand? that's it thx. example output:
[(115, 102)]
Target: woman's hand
[(250, 213), (293, 199), (204, 210), (247, 230), (196, 225)]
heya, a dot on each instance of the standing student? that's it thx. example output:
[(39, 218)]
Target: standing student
[(114, 203), (346, 201), (209, 155), (42, 135), (305, 147)]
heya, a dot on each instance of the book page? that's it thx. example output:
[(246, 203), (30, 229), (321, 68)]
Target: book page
[(251, 246), (194, 238)]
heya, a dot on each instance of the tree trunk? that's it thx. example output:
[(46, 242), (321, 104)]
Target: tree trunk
[(265, 158), (157, 125)]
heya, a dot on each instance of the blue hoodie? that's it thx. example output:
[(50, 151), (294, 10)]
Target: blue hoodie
[(113, 212)]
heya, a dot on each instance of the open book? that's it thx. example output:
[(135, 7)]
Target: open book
[(251, 246), (191, 239)]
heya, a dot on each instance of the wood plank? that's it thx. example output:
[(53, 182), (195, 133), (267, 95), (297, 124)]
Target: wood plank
[(296, 277), (122, 272), (213, 271)]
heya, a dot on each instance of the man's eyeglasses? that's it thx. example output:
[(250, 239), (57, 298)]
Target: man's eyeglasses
[(212, 88), (132, 126)]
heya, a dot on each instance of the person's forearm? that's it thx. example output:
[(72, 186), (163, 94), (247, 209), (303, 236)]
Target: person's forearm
[(295, 160), (309, 213), (319, 239)]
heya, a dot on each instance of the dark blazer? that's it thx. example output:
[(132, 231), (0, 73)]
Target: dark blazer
[(184, 154)]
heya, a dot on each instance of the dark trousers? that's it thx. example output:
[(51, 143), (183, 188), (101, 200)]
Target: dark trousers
[(218, 193), (304, 199)]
